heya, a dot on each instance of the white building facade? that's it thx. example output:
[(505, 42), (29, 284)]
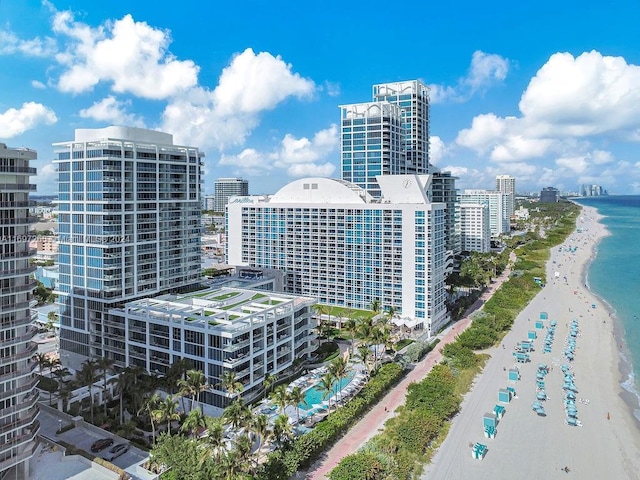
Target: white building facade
[(248, 332), (498, 202), (18, 395), (476, 231), (129, 226), (339, 245), (228, 187), (507, 184)]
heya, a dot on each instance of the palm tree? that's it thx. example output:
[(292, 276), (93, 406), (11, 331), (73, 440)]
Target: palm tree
[(364, 352), (326, 385), (60, 373), (259, 425), (242, 454), (296, 397), (89, 375), (236, 414), (105, 364), (268, 382), (282, 431), (43, 362), (280, 397), (194, 384), (338, 369), (123, 383), (168, 412), (375, 306), (230, 383), (351, 327), (177, 371), (214, 444), (322, 310), (155, 415), (194, 421)]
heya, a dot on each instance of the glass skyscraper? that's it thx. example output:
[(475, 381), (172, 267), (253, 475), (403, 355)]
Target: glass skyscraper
[(129, 227), (387, 136)]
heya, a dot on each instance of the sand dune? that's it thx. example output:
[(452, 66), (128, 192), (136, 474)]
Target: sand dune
[(606, 446)]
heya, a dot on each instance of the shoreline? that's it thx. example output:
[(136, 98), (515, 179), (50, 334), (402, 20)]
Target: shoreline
[(607, 444), (630, 395)]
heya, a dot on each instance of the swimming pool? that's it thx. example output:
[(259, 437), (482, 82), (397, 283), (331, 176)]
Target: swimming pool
[(316, 394)]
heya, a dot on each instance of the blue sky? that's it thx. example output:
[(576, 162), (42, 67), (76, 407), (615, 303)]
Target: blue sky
[(548, 92)]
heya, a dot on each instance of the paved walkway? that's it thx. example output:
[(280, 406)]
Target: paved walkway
[(374, 421)]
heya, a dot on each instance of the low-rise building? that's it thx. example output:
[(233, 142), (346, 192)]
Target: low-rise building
[(247, 332)]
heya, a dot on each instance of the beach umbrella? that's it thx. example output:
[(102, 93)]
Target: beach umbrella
[(570, 395)]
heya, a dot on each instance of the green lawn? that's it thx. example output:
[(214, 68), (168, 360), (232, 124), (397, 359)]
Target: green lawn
[(355, 314)]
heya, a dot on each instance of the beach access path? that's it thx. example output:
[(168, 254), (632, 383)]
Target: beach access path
[(373, 422), (528, 446)]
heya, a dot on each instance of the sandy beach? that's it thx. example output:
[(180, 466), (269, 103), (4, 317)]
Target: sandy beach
[(527, 446)]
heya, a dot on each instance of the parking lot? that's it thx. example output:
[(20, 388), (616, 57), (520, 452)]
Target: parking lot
[(84, 437)]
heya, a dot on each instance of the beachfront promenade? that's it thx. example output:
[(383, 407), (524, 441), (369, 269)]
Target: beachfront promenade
[(374, 420), (540, 447)]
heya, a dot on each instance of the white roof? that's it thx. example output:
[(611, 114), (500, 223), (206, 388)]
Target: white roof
[(321, 190)]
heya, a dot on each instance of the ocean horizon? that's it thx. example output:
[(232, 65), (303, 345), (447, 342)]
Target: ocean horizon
[(614, 276)]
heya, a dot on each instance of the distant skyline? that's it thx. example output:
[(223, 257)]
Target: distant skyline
[(548, 93)]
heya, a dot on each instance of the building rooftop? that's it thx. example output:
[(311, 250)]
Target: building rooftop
[(223, 309)]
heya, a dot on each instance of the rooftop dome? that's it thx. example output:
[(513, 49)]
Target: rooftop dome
[(321, 190)]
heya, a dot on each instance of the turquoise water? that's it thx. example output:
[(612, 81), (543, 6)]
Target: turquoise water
[(316, 395), (614, 274)]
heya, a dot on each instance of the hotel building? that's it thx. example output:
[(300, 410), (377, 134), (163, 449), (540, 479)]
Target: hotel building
[(341, 246), (475, 228), (390, 136), (498, 203), (248, 332), (18, 395), (228, 187), (129, 227)]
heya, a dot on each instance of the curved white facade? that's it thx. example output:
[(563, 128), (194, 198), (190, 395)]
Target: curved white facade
[(339, 246)]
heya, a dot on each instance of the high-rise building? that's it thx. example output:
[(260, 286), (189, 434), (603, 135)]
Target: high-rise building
[(387, 136), (208, 202), (129, 227), (507, 184), (339, 245), (497, 202), (475, 228), (549, 195), (18, 394), (228, 187)]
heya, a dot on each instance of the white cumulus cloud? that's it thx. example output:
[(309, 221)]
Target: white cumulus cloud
[(113, 111), (14, 121), (10, 44), (256, 82), (299, 157), (132, 56), (568, 102), (486, 70), (437, 149), (225, 116)]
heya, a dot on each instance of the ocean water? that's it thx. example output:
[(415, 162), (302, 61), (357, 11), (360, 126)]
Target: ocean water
[(614, 275)]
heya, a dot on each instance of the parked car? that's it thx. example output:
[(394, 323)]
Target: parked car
[(115, 451), (101, 444)]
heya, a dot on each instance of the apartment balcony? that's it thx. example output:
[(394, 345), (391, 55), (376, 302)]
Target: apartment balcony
[(7, 342), (21, 422), (28, 402), (232, 347), (17, 272), (21, 254), (8, 459), (29, 351), (31, 367), (17, 186)]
